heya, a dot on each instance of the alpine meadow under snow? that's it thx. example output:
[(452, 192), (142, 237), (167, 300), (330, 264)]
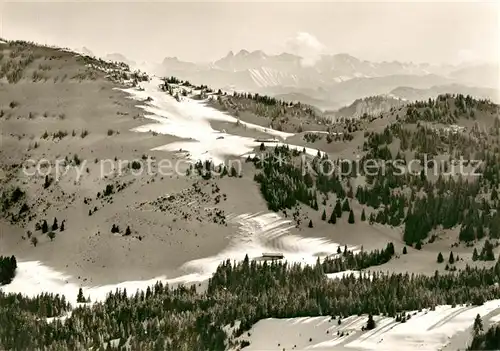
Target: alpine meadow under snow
[(300, 200)]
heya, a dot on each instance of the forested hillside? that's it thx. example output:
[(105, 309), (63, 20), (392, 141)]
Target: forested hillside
[(182, 319), (435, 166), (454, 184)]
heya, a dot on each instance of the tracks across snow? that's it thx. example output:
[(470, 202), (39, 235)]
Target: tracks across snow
[(256, 233), (264, 232)]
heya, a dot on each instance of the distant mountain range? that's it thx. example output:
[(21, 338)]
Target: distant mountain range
[(119, 58), (413, 94), (332, 81)]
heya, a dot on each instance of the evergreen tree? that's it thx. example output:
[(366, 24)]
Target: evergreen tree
[(128, 231), (466, 233), (34, 241), (62, 226), (80, 298), (418, 245), (47, 182), (363, 215), (451, 259), (338, 209), (478, 325), (333, 218), (310, 223), (54, 224), (345, 206), (404, 251), (475, 255), (45, 227), (440, 258), (487, 251), (323, 216), (233, 173), (51, 235), (370, 324), (351, 217)]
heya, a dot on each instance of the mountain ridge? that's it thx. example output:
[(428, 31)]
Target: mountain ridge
[(331, 78)]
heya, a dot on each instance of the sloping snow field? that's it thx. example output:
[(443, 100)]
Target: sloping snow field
[(190, 119), (266, 232), (258, 233), (426, 330)]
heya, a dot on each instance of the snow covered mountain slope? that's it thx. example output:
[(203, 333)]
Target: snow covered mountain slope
[(425, 330), (189, 119)]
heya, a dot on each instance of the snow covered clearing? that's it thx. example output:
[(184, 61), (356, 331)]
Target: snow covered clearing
[(340, 275), (426, 330), (266, 232), (33, 278), (190, 119), (257, 233)]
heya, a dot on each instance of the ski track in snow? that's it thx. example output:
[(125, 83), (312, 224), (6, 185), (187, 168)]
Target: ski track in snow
[(267, 232), (258, 233)]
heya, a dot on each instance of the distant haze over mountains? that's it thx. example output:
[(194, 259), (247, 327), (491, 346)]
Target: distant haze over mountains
[(330, 81)]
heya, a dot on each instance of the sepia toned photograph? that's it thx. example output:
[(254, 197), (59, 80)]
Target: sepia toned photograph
[(249, 175)]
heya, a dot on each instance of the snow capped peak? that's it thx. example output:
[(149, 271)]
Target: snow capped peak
[(168, 60), (243, 52), (344, 56), (258, 54)]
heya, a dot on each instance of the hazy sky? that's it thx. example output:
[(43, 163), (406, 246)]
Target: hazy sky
[(205, 31)]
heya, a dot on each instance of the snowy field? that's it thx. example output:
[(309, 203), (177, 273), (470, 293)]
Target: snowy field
[(190, 119), (425, 330), (268, 232), (340, 275), (258, 233)]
